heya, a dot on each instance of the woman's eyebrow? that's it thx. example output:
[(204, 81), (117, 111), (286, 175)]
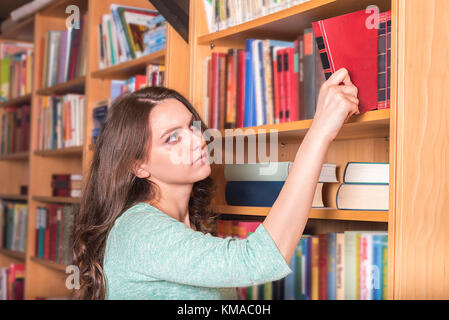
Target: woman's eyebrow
[(177, 127)]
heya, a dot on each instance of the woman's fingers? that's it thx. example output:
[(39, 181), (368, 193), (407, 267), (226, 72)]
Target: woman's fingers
[(339, 76)]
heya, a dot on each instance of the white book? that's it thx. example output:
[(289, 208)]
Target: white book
[(257, 82)]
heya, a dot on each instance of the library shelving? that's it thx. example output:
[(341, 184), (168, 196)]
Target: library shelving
[(46, 278), (412, 135)]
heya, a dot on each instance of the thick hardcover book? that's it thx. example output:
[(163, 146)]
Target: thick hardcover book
[(346, 41), (252, 193), (310, 87)]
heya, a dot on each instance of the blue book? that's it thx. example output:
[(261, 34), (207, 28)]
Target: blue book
[(116, 88), (289, 281), (307, 251), (249, 87), (252, 193), (331, 266), (262, 80), (377, 267)]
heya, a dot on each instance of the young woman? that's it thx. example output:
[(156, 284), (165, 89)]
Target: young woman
[(138, 232)]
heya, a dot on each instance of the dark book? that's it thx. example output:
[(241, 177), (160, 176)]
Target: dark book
[(384, 60)]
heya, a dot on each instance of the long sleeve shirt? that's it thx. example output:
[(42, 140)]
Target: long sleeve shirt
[(151, 255)]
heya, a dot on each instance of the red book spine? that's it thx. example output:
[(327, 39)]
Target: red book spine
[(281, 83), (141, 81), (322, 267), (302, 101), (275, 85), (288, 76), (241, 89)]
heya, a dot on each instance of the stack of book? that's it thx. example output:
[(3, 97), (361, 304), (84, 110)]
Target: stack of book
[(13, 225), (128, 33), (15, 133), (60, 121), (222, 14), (54, 223), (259, 184), (365, 186), (16, 64), (64, 55), (12, 282), (66, 185), (269, 82), (155, 75)]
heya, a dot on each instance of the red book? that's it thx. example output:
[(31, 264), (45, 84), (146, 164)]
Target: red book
[(141, 81), (346, 41), (322, 267), (281, 84), (275, 85), (241, 89)]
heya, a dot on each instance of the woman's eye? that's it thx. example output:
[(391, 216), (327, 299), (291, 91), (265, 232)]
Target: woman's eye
[(173, 137)]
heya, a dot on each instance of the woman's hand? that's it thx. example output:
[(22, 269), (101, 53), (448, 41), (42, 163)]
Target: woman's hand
[(336, 104)]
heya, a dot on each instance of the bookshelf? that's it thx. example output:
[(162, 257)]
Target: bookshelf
[(45, 278), (411, 136)]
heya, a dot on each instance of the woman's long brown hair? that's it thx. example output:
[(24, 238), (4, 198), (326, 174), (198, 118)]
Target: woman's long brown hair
[(111, 186)]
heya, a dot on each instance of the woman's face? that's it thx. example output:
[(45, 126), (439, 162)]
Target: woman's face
[(178, 151)]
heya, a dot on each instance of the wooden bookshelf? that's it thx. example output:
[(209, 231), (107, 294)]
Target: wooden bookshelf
[(34, 168), (13, 254), (409, 135)]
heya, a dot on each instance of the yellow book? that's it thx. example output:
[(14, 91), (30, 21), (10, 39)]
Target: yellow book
[(315, 257), (268, 291)]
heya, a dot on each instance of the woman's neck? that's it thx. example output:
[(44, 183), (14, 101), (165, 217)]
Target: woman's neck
[(173, 200)]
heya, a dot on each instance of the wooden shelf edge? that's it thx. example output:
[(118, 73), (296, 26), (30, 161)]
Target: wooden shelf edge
[(15, 101), (112, 71), (16, 156), (50, 199), (374, 116), (50, 264), (263, 20), (315, 213), (13, 197), (74, 85), (69, 151), (13, 254)]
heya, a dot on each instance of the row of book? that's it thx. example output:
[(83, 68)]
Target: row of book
[(66, 185), (15, 129), (259, 184), (272, 82), (269, 82), (13, 222), (365, 185), (154, 77), (222, 14), (12, 282), (54, 223), (64, 54), (128, 33), (60, 121), (350, 265), (16, 65)]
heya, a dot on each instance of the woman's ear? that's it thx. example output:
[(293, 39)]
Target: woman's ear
[(142, 171)]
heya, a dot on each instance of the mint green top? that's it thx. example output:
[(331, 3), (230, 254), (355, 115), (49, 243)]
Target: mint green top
[(151, 255)]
